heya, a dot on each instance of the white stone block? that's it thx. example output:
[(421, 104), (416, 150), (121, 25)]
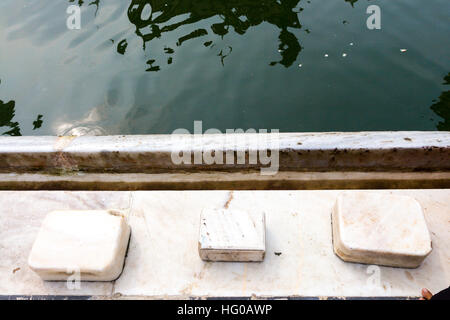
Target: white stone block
[(378, 228), (232, 235), (87, 244)]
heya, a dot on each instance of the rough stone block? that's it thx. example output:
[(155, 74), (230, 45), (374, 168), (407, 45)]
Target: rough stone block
[(90, 244), (379, 228), (230, 235)]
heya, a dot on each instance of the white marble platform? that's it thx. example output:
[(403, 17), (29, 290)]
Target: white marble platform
[(163, 258)]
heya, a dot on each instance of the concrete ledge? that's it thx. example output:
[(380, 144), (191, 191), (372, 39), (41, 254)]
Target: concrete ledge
[(363, 151), (225, 181), (306, 160)]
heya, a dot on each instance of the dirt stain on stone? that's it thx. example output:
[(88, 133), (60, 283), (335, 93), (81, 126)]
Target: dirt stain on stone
[(230, 197), (409, 275)]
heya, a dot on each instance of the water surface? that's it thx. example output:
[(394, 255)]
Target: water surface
[(152, 66)]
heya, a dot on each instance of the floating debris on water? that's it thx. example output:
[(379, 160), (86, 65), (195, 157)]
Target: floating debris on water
[(300, 65), (403, 50), (326, 55), (344, 54), (351, 43)]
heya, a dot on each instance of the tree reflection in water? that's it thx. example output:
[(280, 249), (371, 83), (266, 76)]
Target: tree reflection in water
[(442, 107), (238, 15), (7, 113)]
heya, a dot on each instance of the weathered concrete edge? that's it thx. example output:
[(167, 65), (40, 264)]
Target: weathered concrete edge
[(225, 181), (361, 151)]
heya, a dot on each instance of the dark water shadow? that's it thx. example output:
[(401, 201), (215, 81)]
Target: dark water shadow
[(154, 18), (442, 107), (7, 114), (235, 15)]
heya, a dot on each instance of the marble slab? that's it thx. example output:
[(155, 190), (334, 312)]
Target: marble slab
[(232, 235), (299, 260), (86, 245), (383, 229), (163, 260)]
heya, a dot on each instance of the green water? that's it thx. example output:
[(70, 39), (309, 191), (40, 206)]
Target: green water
[(290, 65)]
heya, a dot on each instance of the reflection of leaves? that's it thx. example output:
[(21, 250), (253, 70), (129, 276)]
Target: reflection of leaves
[(194, 34), (168, 50), (152, 68), (447, 79), (442, 107), (38, 122), (80, 2), (220, 29), (237, 15), (122, 46), (155, 68), (15, 131), (6, 112), (6, 115), (96, 4), (289, 49), (352, 2), (240, 15), (222, 55)]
